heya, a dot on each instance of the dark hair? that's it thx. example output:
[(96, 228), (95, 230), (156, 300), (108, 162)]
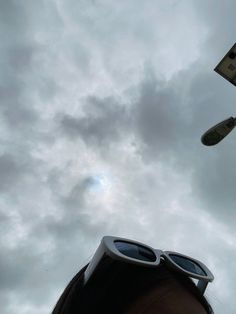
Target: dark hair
[(124, 283)]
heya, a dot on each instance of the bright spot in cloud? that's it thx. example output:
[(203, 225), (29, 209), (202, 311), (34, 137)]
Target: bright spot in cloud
[(100, 184)]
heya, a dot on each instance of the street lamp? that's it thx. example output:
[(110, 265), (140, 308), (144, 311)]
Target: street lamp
[(216, 134), (226, 68)]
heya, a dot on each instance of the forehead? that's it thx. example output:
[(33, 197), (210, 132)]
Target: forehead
[(172, 298)]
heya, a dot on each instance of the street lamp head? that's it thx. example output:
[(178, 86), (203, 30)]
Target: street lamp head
[(216, 134)]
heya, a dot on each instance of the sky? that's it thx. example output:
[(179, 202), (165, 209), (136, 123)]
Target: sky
[(103, 104)]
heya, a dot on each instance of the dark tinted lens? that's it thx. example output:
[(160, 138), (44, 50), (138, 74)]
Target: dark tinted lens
[(188, 265), (135, 251)]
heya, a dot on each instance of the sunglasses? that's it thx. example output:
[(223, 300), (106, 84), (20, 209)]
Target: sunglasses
[(133, 252)]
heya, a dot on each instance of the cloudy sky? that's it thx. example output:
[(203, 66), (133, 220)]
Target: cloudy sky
[(102, 106)]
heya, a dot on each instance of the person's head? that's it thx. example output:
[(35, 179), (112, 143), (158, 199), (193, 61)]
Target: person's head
[(115, 286)]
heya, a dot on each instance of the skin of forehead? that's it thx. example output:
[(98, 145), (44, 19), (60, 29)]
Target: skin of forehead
[(171, 298)]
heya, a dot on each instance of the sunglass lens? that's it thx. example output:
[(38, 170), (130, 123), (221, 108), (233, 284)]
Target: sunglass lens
[(187, 264), (138, 252)]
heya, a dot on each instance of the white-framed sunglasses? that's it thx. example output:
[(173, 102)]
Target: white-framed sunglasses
[(133, 252)]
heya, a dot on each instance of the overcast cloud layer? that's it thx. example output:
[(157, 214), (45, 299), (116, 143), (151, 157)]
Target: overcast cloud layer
[(103, 104)]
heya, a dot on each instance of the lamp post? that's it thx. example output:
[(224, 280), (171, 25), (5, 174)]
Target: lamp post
[(227, 69)]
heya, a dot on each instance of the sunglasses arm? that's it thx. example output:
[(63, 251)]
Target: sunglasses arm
[(202, 284), (94, 262)]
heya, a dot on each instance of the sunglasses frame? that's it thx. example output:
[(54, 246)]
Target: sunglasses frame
[(107, 247)]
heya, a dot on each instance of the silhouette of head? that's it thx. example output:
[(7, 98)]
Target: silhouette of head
[(131, 289)]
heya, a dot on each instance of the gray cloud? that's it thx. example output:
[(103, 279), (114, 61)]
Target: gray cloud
[(10, 172), (220, 24), (105, 121), (93, 141)]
